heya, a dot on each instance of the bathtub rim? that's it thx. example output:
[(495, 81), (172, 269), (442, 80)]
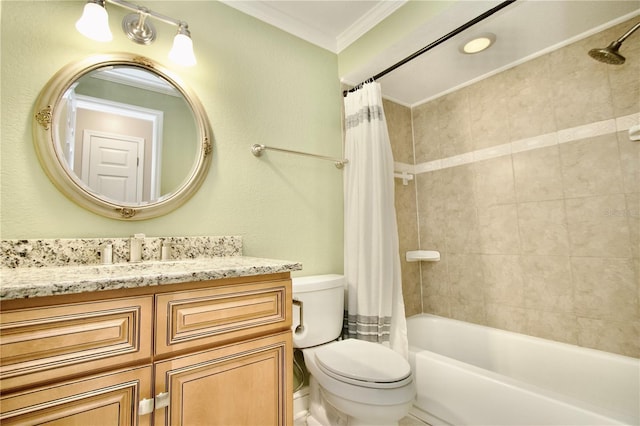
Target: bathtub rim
[(618, 416)]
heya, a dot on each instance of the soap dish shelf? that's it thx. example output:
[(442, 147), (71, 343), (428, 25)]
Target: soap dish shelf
[(423, 255)]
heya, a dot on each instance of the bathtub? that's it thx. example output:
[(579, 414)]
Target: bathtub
[(467, 374)]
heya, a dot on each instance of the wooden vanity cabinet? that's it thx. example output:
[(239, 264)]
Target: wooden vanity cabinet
[(207, 353)]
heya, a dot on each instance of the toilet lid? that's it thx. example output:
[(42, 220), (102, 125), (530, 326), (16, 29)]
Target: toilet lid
[(363, 363)]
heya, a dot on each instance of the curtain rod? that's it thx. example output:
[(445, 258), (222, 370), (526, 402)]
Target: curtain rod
[(433, 44)]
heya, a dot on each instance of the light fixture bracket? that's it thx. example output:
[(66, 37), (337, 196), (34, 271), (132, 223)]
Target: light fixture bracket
[(138, 29)]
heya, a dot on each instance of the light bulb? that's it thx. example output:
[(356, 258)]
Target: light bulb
[(94, 23)]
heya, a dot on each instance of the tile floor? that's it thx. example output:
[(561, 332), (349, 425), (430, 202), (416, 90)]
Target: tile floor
[(411, 421)]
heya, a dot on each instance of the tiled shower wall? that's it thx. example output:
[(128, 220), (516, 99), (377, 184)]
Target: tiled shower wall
[(529, 188)]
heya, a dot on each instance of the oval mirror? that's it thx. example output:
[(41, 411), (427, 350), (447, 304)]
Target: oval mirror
[(122, 137)]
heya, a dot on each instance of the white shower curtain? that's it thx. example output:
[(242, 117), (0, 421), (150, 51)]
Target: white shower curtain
[(375, 307)]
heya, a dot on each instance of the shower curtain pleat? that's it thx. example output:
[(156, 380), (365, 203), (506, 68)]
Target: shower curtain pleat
[(375, 307)]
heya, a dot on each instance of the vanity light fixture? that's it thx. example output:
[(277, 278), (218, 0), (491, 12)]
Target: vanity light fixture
[(94, 24), (478, 43)]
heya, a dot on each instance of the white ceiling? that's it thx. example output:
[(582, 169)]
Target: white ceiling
[(524, 30)]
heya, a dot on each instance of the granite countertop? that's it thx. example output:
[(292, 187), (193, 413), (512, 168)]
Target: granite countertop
[(21, 283)]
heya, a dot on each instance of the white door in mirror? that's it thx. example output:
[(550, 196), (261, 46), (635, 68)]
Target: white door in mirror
[(111, 165)]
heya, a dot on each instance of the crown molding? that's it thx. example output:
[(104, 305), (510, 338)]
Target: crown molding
[(366, 22), (262, 11)]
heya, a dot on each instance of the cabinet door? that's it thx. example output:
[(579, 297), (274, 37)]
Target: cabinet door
[(109, 399), (54, 343), (244, 384), (197, 319)]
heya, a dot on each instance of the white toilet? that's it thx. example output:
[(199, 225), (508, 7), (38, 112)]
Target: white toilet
[(353, 382)]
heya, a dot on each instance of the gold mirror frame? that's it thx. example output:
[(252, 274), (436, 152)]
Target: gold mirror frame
[(50, 156)]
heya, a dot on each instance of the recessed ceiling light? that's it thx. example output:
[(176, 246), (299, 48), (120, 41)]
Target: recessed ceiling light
[(478, 44)]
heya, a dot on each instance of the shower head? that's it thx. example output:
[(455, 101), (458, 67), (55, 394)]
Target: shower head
[(610, 54)]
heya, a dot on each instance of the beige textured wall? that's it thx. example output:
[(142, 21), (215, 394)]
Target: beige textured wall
[(542, 241)]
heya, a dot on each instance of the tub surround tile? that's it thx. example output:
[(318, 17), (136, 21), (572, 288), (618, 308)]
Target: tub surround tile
[(465, 277), (411, 288), (625, 122), (629, 162), (598, 226), (535, 142), (605, 289), (426, 133), (538, 175), (543, 228), (560, 327), (435, 287), (437, 305), (488, 107), (457, 185), (435, 279), (581, 94), (494, 182), (398, 119), (499, 229), (454, 125), (548, 283), (598, 128), (621, 337), (438, 160), (625, 90), (591, 167), (503, 280), (531, 92), (508, 318), (465, 310), (462, 230), (633, 216)]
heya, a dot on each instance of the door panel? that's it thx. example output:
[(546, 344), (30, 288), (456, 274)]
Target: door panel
[(112, 165), (110, 400), (245, 384)]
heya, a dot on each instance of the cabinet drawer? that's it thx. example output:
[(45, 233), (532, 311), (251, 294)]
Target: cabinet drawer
[(46, 343), (212, 316)]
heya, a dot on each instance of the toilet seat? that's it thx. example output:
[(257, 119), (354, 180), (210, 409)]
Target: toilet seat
[(363, 363)]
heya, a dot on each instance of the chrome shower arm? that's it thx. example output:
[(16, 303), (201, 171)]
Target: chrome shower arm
[(628, 33)]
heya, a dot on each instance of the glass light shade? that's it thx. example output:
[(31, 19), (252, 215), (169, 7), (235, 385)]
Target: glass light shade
[(182, 51), (94, 23)]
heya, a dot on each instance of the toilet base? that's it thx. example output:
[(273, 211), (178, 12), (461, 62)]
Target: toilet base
[(323, 413)]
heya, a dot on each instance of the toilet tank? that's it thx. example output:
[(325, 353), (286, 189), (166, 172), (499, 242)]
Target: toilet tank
[(321, 306)]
